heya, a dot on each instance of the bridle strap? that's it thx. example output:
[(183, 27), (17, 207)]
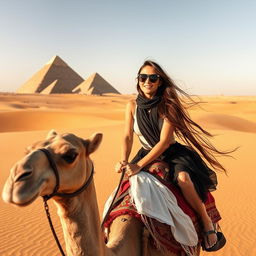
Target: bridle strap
[(56, 172), (77, 192)]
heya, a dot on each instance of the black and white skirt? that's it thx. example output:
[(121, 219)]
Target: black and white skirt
[(183, 158)]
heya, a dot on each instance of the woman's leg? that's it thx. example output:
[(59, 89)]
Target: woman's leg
[(190, 194)]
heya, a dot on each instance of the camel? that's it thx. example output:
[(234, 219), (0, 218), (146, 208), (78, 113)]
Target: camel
[(33, 176)]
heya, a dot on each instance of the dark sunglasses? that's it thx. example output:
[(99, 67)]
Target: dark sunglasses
[(152, 78)]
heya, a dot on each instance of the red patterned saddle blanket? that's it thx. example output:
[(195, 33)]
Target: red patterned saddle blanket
[(162, 232)]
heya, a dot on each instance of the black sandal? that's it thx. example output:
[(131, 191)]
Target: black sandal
[(221, 241)]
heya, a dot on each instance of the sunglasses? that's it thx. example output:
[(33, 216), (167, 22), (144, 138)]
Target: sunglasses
[(152, 78)]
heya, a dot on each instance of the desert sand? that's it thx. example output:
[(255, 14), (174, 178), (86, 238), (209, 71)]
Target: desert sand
[(26, 118)]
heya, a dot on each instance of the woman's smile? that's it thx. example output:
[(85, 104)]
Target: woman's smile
[(148, 87)]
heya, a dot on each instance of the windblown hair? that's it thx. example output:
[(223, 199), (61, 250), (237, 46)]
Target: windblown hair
[(173, 107)]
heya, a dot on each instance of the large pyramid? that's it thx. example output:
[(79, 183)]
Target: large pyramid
[(56, 74), (95, 84)]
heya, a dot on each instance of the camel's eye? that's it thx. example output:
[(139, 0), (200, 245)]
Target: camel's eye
[(70, 156)]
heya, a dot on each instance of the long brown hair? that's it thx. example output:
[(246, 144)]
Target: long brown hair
[(172, 107)]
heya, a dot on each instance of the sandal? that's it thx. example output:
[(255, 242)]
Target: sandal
[(221, 241)]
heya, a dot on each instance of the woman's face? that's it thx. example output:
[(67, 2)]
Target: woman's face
[(149, 85)]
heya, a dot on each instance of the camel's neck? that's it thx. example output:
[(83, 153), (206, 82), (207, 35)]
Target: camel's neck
[(81, 224)]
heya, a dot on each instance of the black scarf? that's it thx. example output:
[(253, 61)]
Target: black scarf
[(147, 118)]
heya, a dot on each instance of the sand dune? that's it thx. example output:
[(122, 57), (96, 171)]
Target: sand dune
[(220, 121), (25, 119), (43, 120)]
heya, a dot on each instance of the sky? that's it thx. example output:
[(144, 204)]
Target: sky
[(207, 47)]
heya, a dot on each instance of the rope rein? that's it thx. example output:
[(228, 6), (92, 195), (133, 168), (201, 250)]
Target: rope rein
[(46, 207), (113, 200)]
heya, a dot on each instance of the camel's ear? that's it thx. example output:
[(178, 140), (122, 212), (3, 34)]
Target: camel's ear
[(51, 133), (93, 143)]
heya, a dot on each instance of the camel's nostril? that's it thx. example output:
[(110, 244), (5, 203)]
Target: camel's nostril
[(23, 176)]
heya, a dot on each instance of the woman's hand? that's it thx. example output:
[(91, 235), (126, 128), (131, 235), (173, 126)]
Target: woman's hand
[(120, 165), (132, 169)]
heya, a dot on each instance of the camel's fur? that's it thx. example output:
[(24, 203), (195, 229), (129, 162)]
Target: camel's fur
[(32, 177)]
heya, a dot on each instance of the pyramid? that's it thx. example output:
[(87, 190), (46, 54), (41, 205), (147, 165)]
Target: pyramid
[(95, 84), (56, 74)]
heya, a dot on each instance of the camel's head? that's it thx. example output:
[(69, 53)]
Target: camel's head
[(32, 176)]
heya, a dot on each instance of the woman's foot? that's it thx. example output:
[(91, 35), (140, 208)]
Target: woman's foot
[(210, 235)]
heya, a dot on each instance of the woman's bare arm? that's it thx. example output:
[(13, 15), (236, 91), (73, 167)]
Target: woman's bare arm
[(128, 131)]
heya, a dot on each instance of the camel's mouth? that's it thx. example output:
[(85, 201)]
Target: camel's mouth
[(22, 193), (21, 204)]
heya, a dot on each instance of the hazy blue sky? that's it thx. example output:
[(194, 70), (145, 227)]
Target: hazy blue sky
[(207, 47)]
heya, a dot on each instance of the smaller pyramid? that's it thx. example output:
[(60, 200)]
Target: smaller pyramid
[(95, 84), (57, 74), (50, 88)]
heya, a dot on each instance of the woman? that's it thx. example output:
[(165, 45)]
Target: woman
[(155, 116)]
